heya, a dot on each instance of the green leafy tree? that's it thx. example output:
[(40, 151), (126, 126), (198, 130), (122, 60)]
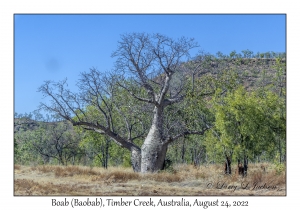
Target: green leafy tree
[(96, 147), (56, 140), (247, 53), (24, 151), (247, 124)]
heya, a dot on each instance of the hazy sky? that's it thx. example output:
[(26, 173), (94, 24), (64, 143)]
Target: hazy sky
[(54, 47)]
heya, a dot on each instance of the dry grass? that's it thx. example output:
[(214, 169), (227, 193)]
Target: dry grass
[(17, 167), (181, 180), (68, 171)]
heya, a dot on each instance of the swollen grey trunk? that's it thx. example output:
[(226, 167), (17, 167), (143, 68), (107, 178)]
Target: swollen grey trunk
[(150, 157), (154, 149), (153, 152)]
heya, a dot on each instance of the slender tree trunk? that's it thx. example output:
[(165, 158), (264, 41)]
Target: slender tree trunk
[(227, 165), (106, 153), (280, 153), (61, 160), (176, 153), (103, 156), (183, 151), (245, 165), (193, 153)]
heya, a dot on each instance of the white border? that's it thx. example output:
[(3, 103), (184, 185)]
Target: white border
[(10, 7)]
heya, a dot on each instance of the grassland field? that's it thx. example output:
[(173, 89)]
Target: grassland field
[(180, 180)]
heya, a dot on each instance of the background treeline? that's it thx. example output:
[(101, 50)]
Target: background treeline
[(241, 96)]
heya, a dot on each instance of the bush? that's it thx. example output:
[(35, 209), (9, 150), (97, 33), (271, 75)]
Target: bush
[(279, 168)]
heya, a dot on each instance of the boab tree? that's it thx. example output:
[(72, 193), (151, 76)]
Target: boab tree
[(147, 76)]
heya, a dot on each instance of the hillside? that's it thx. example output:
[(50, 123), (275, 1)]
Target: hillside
[(24, 124), (252, 71)]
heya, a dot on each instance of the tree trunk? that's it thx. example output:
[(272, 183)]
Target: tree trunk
[(183, 151), (106, 153), (245, 165), (153, 156), (154, 149), (280, 153), (227, 169)]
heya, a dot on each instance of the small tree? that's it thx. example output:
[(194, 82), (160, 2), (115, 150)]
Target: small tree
[(96, 146), (57, 140)]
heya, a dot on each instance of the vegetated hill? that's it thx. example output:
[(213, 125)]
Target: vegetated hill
[(253, 72), (26, 123)]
